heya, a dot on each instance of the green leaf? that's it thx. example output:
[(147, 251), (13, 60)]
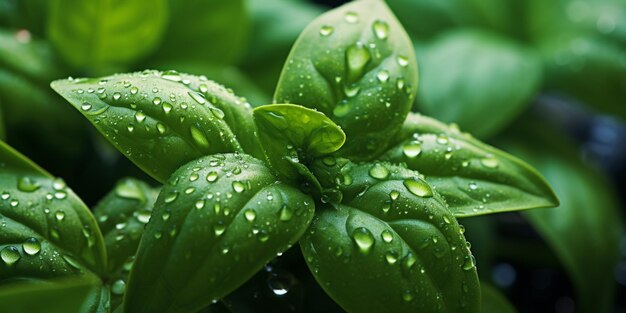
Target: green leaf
[(494, 301), (294, 132), (473, 177), (589, 207), (122, 215), (103, 35), (47, 230), (30, 58), (425, 19), (27, 15), (162, 120), (203, 31), (216, 222), (391, 245), (2, 131), (477, 80), (355, 64), (51, 296)]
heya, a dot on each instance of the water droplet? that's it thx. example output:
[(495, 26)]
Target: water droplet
[(14, 203), (167, 107), (408, 261), (200, 204), (10, 255), (140, 116), (363, 239), (473, 186), (218, 113), (156, 101), (118, 287), (172, 76), (31, 246), (326, 30), (329, 161), (60, 215), (117, 96), (194, 177), (383, 76), (387, 236), (403, 61), (489, 162), (238, 187), (351, 17), (85, 106), (161, 128), (461, 229), (381, 29), (285, 213), (26, 184), (143, 216), (219, 228), (263, 236), (391, 257), (418, 187), (412, 149), (394, 195), (212, 177), (351, 90), (198, 137), (408, 296), (134, 90), (341, 110), (198, 97), (357, 57), (250, 215), (469, 262), (379, 171), (171, 197)]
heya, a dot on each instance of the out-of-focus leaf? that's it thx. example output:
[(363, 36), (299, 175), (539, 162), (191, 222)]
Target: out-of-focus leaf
[(473, 177), (161, 120), (477, 80), (585, 230), (217, 221), (27, 15), (27, 57), (494, 301), (2, 130), (275, 26), (426, 18), (105, 36), (356, 64), (391, 245), (205, 31), (79, 294), (47, 230)]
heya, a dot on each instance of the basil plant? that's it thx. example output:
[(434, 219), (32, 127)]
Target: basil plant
[(338, 167)]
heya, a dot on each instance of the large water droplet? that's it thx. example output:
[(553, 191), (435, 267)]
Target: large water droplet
[(198, 137), (351, 17), (379, 171), (134, 90), (140, 116), (391, 257), (212, 177), (219, 228), (199, 204), (238, 187), (167, 107), (357, 57), (27, 184), (387, 236), (118, 287), (412, 149), (171, 197), (383, 76), (403, 61), (156, 101), (326, 30), (10, 255), (143, 216), (381, 29), (250, 215), (60, 215), (418, 187), (363, 239), (85, 106), (31, 246), (198, 97), (469, 262), (285, 213), (489, 162)]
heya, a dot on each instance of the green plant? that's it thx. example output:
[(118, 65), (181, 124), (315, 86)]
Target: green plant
[(369, 191)]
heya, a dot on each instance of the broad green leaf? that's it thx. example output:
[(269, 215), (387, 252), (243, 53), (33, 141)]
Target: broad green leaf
[(206, 32), (47, 230), (494, 301), (294, 132), (391, 245), (569, 59), (52, 296), (104, 35), (162, 120), (275, 26), (474, 178), (216, 222), (28, 57), (588, 208), (477, 80), (355, 64), (122, 216)]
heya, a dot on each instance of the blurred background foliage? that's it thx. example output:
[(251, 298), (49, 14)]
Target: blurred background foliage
[(545, 80)]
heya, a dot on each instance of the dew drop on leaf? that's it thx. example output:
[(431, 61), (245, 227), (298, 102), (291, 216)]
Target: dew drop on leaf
[(10, 255), (212, 177), (379, 171), (27, 184), (412, 149), (387, 236), (418, 187), (326, 30), (250, 215), (363, 239), (118, 287), (381, 29), (198, 137), (31, 246), (351, 17), (489, 162)]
